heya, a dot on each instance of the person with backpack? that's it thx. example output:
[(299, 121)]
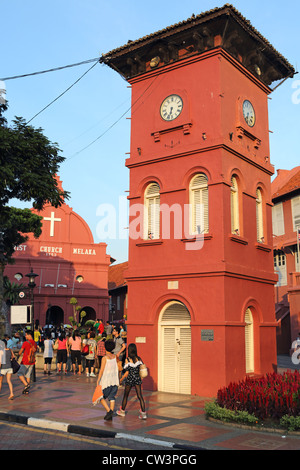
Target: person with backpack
[(28, 350)]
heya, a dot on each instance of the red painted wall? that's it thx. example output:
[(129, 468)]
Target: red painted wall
[(229, 274)]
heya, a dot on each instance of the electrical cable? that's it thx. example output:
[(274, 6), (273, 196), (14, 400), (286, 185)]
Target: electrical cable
[(50, 70), (114, 123), (62, 93)]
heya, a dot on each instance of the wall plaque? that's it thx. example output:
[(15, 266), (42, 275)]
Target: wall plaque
[(207, 335)]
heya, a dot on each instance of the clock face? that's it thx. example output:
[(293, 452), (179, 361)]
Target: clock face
[(249, 113), (171, 107)]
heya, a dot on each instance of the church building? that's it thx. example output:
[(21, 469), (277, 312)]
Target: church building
[(200, 272), (68, 264)]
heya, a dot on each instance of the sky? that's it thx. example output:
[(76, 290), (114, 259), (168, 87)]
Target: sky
[(90, 122)]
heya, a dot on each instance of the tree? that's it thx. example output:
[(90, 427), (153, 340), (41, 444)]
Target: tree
[(11, 291), (76, 308), (29, 163)]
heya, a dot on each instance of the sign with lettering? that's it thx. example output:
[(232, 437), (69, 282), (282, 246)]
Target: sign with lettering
[(51, 249), (207, 335), (84, 251)]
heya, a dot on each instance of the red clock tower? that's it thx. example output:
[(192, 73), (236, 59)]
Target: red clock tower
[(200, 276)]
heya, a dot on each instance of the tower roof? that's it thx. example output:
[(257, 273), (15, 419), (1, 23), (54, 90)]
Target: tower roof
[(220, 27)]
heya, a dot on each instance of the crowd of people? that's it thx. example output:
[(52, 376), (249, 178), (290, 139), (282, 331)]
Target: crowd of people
[(101, 350)]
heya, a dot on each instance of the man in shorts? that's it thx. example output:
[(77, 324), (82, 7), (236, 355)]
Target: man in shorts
[(28, 350)]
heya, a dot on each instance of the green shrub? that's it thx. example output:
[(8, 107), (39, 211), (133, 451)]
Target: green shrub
[(291, 423), (215, 411)]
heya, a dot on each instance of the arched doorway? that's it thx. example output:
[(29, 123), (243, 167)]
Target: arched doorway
[(174, 349), (90, 314), (249, 341), (55, 315)]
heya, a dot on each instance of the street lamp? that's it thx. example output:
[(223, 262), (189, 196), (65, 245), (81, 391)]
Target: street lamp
[(31, 276), (31, 284)]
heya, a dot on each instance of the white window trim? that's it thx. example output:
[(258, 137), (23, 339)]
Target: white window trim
[(152, 212), (280, 268), (249, 341), (295, 203), (259, 216), (198, 196), (234, 203), (278, 220)]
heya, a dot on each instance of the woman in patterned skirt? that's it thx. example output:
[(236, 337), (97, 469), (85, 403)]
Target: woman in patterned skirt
[(132, 379)]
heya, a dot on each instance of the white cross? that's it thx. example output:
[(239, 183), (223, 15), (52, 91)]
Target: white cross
[(52, 220)]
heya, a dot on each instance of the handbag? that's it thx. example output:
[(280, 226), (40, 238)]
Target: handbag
[(85, 350), (15, 365), (143, 371), (98, 394)]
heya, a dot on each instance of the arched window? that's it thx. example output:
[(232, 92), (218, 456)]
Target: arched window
[(199, 204), (234, 202), (249, 341), (259, 217), (152, 212)]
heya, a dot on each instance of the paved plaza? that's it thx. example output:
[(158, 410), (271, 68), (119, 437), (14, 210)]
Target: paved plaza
[(63, 402)]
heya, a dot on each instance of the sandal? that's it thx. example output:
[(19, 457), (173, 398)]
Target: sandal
[(26, 390), (11, 397)]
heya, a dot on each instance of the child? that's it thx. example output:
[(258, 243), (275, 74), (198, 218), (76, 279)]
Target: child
[(132, 378), (108, 378)]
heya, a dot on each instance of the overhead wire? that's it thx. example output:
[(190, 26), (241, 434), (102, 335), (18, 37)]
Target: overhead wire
[(50, 70), (96, 124), (95, 60), (53, 101), (114, 123)]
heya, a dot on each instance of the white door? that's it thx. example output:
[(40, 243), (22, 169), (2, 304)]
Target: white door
[(175, 350)]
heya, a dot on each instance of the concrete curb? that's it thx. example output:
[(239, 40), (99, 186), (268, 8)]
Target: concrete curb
[(89, 432)]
